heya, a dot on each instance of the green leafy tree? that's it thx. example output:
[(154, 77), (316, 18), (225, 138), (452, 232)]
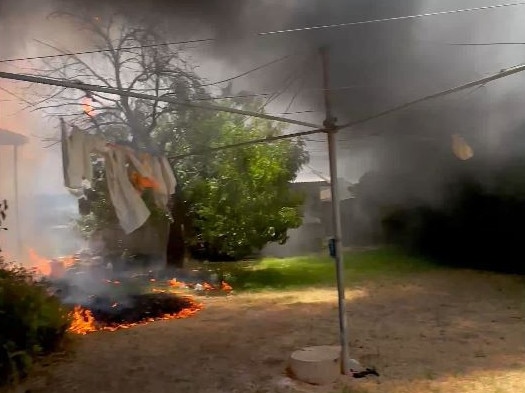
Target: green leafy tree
[(239, 200)]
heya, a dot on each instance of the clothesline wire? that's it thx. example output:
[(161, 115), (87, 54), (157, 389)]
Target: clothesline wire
[(479, 82), (249, 71), (276, 32), (110, 90), (298, 90), (246, 143), (503, 73), (296, 73)]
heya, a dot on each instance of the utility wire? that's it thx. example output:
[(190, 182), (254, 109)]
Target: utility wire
[(329, 26), (338, 25), (89, 52), (486, 44)]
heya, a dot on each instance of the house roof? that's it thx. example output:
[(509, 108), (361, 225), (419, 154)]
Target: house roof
[(9, 138), (344, 191)]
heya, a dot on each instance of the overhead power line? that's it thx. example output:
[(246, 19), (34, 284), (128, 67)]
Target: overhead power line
[(397, 18), (126, 93), (267, 33), (89, 52), (487, 43)]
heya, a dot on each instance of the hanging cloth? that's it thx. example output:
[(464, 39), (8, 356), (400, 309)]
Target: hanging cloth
[(76, 156), (149, 171), (131, 210)]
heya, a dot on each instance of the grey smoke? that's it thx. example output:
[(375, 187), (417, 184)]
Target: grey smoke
[(383, 64)]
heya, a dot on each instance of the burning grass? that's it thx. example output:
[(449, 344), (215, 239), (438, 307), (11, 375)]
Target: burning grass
[(442, 331), (109, 302), (106, 314)]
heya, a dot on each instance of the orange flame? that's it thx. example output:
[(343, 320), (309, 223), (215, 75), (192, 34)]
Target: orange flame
[(83, 321), (87, 107), (68, 261), (142, 183), (177, 284), (40, 264)]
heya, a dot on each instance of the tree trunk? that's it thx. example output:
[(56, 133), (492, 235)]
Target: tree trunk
[(176, 249)]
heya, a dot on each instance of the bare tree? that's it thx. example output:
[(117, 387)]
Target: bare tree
[(131, 58)]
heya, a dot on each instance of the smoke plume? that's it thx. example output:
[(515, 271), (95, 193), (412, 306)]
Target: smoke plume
[(372, 67)]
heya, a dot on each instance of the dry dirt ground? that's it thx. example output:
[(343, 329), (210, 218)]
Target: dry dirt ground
[(444, 331)]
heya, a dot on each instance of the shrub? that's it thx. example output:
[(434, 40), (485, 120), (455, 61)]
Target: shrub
[(32, 322)]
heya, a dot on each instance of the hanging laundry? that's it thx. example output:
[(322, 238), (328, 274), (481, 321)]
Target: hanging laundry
[(162, 171), (131, 210), (76, 153), (125, 189), (142, 177), (153, 172)]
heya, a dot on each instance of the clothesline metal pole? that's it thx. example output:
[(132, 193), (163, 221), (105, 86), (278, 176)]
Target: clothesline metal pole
[(331, 131)]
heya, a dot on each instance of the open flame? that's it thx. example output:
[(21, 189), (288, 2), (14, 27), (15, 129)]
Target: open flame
[(226, 287), (87, 106), (83, 322), (142, 183), (50, 267), (68, 261), (176, 284), (40, 264)]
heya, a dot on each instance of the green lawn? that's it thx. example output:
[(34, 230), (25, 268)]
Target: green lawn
[(317, 271)]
